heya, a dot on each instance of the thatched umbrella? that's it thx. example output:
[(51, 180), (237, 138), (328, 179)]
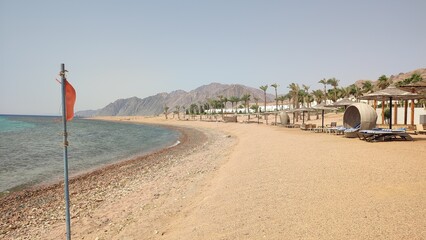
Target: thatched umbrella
[(323, 108), (345, 102), (416, 87), (303, 110), (391, 93)]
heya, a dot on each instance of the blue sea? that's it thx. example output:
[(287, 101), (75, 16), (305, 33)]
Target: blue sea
[(31, 147)]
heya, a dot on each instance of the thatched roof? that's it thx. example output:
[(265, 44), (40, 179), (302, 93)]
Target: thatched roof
[(391, 92), (417, 87), (342, 103), (303, 109), (322, 106)]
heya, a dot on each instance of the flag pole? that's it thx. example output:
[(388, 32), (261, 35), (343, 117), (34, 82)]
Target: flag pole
[(64, 120)]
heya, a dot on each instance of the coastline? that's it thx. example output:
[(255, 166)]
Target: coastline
[(42, 205), (258, 181)]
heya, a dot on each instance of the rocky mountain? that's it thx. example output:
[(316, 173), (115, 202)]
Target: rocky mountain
[(154, 105), (397, 78)]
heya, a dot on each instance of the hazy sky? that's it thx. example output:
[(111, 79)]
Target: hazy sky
[(119, 49)]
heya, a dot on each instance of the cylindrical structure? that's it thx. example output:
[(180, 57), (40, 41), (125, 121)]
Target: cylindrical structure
[(360, 114), (284, 118)]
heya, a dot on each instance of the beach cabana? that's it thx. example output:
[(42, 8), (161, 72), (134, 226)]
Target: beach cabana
[(284, 118), (390, 93), (360, 115)]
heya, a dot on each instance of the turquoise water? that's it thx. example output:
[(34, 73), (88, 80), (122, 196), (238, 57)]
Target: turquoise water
[(31, 148)]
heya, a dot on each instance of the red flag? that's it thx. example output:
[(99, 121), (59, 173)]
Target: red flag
[(69, 100)]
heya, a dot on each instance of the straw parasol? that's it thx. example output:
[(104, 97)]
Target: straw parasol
[(391, 93), (345, 102), (303, 110), (417, 87), (323, 108)]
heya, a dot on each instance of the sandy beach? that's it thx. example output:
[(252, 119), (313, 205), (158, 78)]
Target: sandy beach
[(238, 181)]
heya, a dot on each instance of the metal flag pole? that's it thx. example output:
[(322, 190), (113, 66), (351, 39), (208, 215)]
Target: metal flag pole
[(64, 120)]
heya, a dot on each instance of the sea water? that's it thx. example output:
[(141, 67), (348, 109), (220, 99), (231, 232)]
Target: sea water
[(31, 147)]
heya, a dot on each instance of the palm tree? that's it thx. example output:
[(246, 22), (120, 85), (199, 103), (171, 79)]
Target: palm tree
[(246, 98), (356, 91), (306, 95), (233, 100), (193, 109), (318, 95), (177, 107), (166, 109), (256, 100), (334, 82), (225, 100), (383, 82), (282, 98), (344, 92), (221, 101), (184, 112), (294, 92), (276, 96), (415, 77), (324, 82), (332, 95), (264, 88), (367, 87)]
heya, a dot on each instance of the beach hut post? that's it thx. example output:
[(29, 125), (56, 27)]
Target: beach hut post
[(64, 120), (390, 112)]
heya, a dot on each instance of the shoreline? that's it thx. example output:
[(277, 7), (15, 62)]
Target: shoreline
[(32, 201), (257, 181)]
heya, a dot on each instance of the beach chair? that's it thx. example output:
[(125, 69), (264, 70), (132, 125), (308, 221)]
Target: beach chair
[(340, 130), (379, 134), (352, 132), (329, 128), (318, 129), (420, 129)]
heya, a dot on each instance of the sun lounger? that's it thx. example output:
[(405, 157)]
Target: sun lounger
[(336, 130), (308, 126), (318, 130), (352, 132), (376, 135)]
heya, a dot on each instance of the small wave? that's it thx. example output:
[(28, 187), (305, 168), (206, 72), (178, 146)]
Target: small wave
[(175, 144)]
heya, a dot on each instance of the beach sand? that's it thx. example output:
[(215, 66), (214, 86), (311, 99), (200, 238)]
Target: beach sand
[(240, 181)]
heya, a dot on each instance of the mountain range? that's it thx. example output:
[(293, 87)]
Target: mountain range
[(154, 105)]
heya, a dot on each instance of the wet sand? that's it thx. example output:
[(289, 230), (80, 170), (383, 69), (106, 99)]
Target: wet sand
[(250, 181)]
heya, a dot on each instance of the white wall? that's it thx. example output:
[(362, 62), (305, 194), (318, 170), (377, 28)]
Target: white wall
[(417, 113)]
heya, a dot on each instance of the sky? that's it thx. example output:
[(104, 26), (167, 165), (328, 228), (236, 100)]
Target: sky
[(120, 49)]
